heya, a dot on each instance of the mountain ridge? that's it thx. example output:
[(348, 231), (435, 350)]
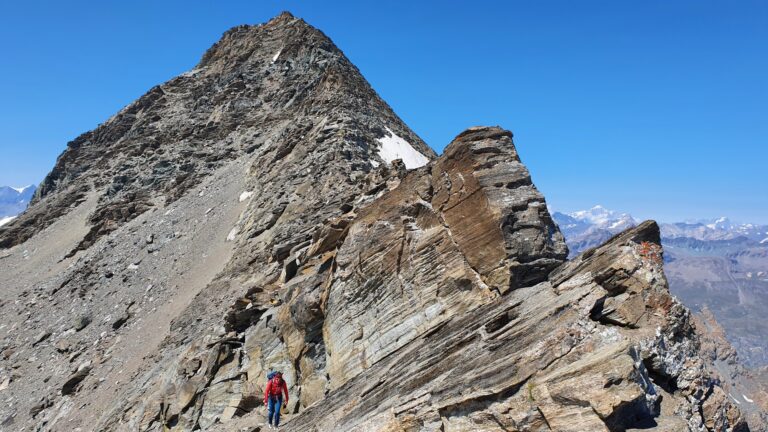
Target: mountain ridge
[(712, 264), (173, 173), (242, 218)]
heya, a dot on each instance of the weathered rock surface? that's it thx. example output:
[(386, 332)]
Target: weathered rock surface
[(245, 217), (714, 264), (745, 387), (542, 358)]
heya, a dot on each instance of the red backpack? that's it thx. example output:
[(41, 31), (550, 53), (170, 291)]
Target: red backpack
[(276, 387)]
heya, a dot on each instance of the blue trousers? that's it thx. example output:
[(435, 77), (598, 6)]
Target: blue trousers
[(273, 409)]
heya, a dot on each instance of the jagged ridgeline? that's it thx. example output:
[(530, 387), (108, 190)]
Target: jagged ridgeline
[(267, 210)]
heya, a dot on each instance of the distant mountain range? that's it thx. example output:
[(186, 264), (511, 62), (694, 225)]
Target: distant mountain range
[(13, 201), (588, 228), (716, 264)]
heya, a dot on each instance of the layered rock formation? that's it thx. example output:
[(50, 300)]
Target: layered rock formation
[(248, 216), (718, 265)]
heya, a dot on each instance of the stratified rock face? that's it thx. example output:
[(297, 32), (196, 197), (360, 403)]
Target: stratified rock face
[(599, 346), (717, 265), (430, 299), (451, 237)]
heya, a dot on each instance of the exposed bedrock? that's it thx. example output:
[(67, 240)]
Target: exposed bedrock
[(251, 215), (443, 302)]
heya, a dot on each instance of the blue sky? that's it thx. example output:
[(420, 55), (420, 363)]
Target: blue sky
[(657, 108)]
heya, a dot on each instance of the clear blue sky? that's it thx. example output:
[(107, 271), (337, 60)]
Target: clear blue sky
[(658, 108)]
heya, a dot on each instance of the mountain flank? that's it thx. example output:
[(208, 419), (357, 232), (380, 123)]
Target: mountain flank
[(268, 211)]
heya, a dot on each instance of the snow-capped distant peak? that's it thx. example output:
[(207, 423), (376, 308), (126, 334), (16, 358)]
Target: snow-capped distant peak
[(604, 218), (580, 225), (597, 211), (721, 223), (21, 189)]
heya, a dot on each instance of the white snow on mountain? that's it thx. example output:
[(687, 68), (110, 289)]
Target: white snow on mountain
[(5, 220), (721, 223), (21, 189), (14, 200), (245, 195), (581, 226), (393, 147), (603, 218)]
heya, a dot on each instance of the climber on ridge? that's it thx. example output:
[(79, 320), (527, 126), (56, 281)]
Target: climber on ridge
[(273, 397)]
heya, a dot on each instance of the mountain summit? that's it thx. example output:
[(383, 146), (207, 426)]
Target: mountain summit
[(281, 88), (268, 211)]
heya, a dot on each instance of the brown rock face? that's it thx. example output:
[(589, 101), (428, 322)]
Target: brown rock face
[(272, 233), (445, 241), (541, 357)]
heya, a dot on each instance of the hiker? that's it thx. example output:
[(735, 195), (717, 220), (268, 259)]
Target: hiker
[(273, 397)]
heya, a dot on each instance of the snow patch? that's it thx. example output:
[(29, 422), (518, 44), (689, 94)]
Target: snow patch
[(274, 57), (245, 195), (747, 399), (21, 189), (393, 147), (765, 240), (190, 73), (6, 220)]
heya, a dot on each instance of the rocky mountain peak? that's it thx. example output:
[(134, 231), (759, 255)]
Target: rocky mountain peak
[(284, 35), (281, 90)]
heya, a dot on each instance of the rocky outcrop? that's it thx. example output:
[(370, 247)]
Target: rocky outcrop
[(544, 357), (718, 265), (436, 298), (406, 313), (746, 388)]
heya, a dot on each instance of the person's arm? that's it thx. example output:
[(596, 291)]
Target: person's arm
[(266, 391), (285, 390)]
